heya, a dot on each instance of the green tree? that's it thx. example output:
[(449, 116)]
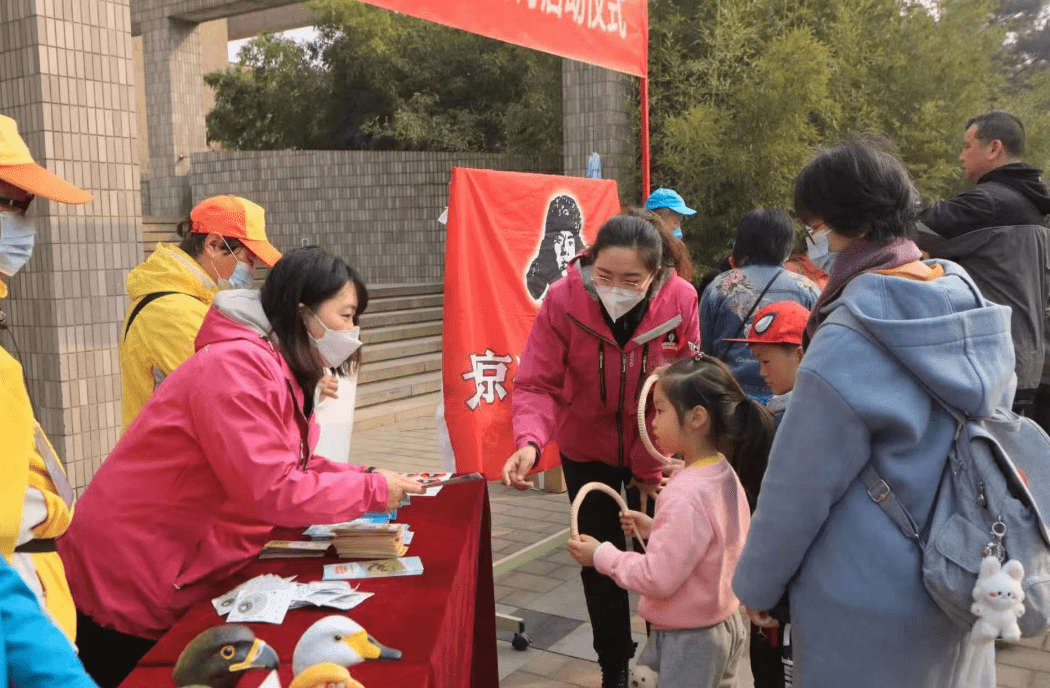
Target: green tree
[(742, 91), (379, 80), (269, 101)]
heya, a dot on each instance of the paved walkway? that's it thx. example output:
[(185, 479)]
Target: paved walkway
[(547, 593)]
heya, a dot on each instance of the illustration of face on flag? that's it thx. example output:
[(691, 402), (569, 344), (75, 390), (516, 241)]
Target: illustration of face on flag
[(511, 236)]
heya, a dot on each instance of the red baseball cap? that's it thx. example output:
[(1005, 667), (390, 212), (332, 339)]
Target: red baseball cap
[(778, 323)]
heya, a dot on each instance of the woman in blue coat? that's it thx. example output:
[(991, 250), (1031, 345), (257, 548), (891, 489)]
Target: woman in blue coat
[(860, 615)]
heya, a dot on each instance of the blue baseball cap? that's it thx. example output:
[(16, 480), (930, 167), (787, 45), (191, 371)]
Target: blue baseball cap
[(668, 198)]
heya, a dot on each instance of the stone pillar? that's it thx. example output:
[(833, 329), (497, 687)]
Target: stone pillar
[(174, 108), (65, 77), (597, 106)]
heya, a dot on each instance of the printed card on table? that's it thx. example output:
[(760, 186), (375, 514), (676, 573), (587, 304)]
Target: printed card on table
[(378, 568)]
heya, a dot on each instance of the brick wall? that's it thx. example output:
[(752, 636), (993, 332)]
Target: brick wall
[(378, 210), (66, 78)]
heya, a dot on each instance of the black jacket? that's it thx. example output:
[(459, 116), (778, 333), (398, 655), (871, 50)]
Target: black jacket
[(1009, 195)]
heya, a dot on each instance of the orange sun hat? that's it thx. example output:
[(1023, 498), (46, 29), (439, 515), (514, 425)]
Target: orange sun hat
[(236, 218), (17, 167)]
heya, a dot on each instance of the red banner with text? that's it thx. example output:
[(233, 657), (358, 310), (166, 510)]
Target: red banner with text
[(510, 235), (608, 33)]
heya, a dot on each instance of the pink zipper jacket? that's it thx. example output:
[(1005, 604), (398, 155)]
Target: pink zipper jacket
[(577, 387), (684, 577), (217, 457)]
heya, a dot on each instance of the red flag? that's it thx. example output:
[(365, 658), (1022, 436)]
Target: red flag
[(510, 235), (609, 33)]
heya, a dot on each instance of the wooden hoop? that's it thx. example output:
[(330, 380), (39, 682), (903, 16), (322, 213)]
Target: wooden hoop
[(574, 510)]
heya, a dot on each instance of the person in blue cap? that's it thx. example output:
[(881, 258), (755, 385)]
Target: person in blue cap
[(671, 208)]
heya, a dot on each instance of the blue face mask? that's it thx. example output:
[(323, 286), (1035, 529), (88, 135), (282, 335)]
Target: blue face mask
[(241, 278), (677, 231), (17, 236)]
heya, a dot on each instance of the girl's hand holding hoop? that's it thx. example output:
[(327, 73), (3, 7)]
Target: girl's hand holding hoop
[(636, 524), (582, 549)]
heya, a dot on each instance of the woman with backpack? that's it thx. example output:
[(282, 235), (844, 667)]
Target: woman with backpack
[(860, 613)]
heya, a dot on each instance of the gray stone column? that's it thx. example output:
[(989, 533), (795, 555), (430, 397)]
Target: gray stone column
[(65, 77), (174, 108), (597, 107)]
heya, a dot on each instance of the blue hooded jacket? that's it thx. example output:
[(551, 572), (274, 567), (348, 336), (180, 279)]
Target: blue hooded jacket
[(860, 614), (33, 652)]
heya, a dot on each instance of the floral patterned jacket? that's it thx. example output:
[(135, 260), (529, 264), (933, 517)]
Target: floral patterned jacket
[(729, 299)]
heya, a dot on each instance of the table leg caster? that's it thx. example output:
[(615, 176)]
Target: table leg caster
[(521, 641)]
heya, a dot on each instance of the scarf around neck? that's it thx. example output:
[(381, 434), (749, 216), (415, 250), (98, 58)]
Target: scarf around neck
[(859, 257)]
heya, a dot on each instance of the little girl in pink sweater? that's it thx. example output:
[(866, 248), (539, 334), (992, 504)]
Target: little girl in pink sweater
[(699, 527)]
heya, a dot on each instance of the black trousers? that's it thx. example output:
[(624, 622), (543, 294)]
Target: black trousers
[(599, 517), (108, 655), (1038, 409)]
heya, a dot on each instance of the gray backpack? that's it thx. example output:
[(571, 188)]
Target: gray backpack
[(992, 499)]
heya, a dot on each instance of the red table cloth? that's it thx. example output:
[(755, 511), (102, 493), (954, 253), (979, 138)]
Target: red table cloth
[(444, 621)]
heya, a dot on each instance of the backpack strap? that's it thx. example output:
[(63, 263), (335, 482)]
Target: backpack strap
[(877, 488), (743, 323), (881, 494), (143, 302)]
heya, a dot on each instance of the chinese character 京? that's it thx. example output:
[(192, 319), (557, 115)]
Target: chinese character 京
[(489, 372)]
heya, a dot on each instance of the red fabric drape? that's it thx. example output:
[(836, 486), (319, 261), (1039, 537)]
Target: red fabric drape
[(509, 234), (443, 621)]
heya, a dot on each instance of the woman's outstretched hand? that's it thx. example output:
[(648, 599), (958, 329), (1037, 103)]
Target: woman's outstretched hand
[(517, 467), (398, 487)]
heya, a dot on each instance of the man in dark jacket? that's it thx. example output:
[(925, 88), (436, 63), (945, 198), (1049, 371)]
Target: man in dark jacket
[(1007, 192), (996, 231)]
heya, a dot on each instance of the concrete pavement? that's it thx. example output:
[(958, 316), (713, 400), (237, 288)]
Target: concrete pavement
[(547, 592)]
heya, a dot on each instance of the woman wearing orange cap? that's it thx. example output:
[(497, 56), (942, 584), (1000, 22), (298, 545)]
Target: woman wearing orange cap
[(171, 292), (35, 497)]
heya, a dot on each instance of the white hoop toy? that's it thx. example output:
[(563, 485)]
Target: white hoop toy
[(574, 510), (643, 431)]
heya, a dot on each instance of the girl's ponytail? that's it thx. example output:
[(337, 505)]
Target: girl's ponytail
[(747, 446), (741, 428)]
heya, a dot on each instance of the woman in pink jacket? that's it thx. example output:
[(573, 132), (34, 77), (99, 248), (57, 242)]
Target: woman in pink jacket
[(619, 313), (219, 455)]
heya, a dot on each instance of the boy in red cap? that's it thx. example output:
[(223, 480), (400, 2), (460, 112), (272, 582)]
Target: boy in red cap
[(775, 341)]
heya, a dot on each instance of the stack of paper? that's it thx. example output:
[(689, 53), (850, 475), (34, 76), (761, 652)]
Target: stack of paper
[(382, 568), (326, 531), (365, 540), (266, 599), (288, 549)]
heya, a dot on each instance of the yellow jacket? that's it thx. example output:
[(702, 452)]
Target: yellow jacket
[(23, 467), (163, 332)]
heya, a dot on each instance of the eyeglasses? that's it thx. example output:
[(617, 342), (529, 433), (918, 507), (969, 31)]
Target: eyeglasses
[(814, 228), (630, 284)]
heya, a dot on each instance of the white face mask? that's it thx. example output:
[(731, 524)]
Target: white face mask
[(17, 236), (336, 346), (817, 250), (618, 300)]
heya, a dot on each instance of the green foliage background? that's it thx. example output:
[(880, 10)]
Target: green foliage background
[(743, 91), (377, 80)]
